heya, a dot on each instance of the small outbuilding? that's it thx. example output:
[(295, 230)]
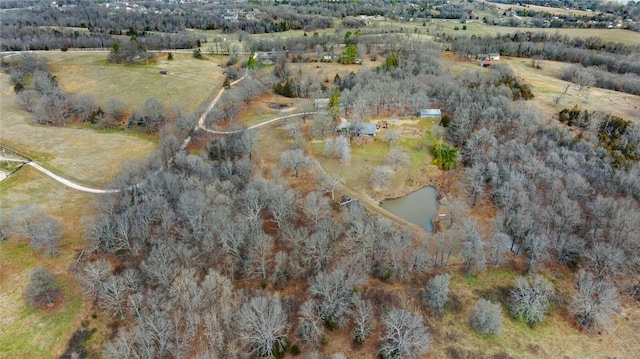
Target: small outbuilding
[(430, 113), (366, 129), (321, 103)]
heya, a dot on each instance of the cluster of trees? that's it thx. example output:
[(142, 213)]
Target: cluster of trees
[(596, 76), (50, 104), (614, 134), (163, 256), (629, 10), (560, 196)]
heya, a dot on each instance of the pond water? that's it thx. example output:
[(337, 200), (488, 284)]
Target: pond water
[(418, 207)]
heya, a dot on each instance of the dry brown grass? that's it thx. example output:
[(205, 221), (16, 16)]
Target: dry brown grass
[(547, 86), (189, 81), (550, 10), (86, 156)]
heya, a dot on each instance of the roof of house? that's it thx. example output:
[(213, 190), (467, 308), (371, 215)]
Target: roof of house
[(322, 102), (430, 112), (366, 129)]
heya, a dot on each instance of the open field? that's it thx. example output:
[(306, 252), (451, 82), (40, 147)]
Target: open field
[(554, 338), (32, 333), (88, 157), (627, 37), (547, 86), (550, 10), (91, 158), (188, 82), (373, 152)]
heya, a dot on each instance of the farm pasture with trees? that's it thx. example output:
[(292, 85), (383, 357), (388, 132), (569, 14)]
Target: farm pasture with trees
[(237, 241)]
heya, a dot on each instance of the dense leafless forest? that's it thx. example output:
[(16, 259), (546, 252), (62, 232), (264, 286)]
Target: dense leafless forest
[(210, 256)]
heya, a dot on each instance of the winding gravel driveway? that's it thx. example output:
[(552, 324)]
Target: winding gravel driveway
[(200, 126), (68, 183)]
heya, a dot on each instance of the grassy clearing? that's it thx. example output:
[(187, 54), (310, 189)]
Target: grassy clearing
[(547, 86), (627, 37), (27, 332), (374, 151), (86, 156), (556, 337), (189, 81)]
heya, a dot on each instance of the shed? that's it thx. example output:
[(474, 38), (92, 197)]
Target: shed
[(367, 129), (430, 113), (494, 56), (322, 103)]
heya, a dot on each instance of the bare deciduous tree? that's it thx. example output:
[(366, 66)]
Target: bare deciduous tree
[(436, 294), (486, 317), (43, 288), (535, 250), (362, 322), (381, 176), (32, 222), (406, 335), (530, 299), (595, 302), (316, 207), (336, 294), (397, 157), (473, 253), (294, 160), (263, 326), (309, 323)]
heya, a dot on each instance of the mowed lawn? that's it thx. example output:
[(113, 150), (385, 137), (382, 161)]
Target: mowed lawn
[(189, 81)]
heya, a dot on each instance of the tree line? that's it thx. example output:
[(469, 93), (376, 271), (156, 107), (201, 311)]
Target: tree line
[(615, 66)]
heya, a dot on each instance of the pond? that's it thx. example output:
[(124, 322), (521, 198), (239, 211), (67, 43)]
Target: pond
[(418, 207)]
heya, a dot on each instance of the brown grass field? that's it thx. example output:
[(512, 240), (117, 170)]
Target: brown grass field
[(89, 157), (547, 85), (189, 81), (547, 9)]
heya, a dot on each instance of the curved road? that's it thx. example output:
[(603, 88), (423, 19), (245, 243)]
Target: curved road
[(68, 183), (199, 126)]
